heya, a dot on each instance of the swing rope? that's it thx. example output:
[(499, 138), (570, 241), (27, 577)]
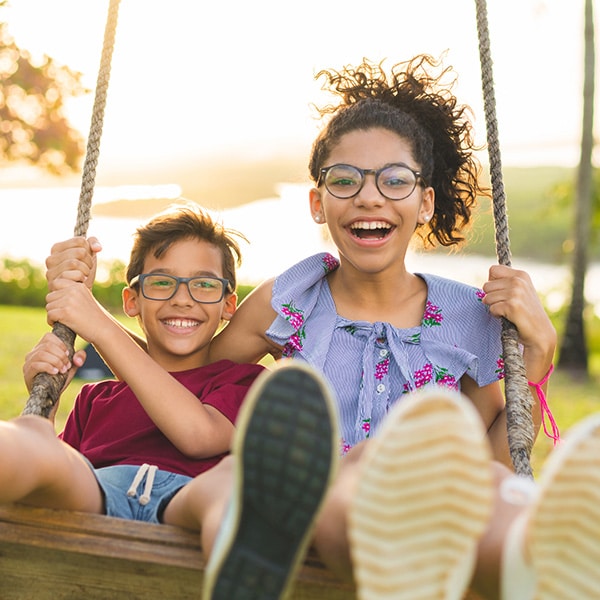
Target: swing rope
[(518, 399), (46, 388)]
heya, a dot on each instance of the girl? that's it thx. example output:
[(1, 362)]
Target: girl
[(396, 161)]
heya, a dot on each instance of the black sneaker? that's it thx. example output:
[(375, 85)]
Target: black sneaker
[(285, 446)]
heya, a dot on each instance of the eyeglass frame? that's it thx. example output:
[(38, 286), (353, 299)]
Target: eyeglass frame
[(364, 172), (139, 280)]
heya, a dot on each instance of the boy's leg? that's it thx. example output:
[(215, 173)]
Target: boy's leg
[(422, 501), (284, 454), (553, 549), (38, 469), (201, 504)]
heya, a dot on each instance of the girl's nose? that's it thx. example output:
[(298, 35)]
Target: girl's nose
[(369, 194)]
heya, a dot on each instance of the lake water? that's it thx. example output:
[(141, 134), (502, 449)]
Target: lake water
[(280, 233)]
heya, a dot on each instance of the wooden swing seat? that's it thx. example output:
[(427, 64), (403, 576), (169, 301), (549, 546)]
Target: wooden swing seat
[(50, 554)]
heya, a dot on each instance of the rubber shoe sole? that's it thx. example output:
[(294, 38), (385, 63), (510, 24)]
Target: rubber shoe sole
[(565, 518), (285, 444), (423, 501)]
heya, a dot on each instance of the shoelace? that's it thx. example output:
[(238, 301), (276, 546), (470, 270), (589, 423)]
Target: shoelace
[(150, 472)]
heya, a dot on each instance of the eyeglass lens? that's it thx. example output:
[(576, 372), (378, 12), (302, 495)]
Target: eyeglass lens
[(395, 182), (164, 287)]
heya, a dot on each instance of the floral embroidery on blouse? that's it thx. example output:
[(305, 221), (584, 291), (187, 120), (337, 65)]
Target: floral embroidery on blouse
[(344, 447), (429, 373), (295, 317), (366, 427), (381, 369), (500, 370), (433, 315), (330, 263), (415, 338), (480, 295)]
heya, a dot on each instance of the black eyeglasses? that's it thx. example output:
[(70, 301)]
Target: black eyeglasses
[(394, 182), (158, 286)]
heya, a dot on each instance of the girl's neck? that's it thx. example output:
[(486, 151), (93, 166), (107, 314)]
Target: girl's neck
[(397, 298)]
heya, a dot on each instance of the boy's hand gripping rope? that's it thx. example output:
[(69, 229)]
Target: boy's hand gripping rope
[(46, 388)]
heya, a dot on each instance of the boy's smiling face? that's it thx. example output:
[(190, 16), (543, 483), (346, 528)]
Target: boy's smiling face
[(179, 330)]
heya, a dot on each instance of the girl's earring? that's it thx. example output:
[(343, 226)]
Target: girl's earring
[(317, 218), (426, 218)]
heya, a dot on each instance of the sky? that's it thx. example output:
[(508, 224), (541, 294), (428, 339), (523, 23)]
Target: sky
[(237, 78)]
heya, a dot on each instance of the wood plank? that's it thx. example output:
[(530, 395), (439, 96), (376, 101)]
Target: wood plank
[(54, 555)]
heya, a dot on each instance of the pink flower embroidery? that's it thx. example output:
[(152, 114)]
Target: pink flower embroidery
[(442, 377), (424, 375), (480, 295), (366, 427), (433, 315), (330, 263), (296, 319), (381, 369), (428, 374), (293, 315), (500, 370)]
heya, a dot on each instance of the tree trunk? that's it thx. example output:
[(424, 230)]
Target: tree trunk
[(573, 351)]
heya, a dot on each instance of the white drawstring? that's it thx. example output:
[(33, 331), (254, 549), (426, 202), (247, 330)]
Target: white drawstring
[(151, 472)]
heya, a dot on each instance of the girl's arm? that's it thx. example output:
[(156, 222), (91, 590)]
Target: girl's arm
[(244, 338), (510, 294), (197, 430)]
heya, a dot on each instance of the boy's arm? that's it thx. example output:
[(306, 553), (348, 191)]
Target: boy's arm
[(197, 430), (75, 260)]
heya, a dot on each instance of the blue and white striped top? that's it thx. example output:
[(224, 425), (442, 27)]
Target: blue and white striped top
[(371, 365)]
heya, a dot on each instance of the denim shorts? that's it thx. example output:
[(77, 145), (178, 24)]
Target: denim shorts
[(139, 493)]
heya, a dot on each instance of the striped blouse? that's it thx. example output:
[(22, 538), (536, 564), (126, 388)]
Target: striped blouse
[(372, 365)]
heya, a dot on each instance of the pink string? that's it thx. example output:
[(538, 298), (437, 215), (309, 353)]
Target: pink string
[(545, 409)]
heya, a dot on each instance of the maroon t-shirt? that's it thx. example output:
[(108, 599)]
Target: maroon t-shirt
[(110, 427)]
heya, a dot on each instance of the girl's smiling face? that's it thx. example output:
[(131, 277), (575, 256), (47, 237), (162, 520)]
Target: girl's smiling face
[(371, 232), (179, 330)]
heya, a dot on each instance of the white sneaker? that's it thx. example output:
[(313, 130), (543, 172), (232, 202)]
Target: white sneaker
[(285, 450), (563, 525), (423, 501)]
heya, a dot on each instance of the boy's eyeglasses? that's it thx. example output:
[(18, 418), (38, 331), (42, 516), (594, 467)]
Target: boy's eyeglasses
[(157, 286), (394, 182)]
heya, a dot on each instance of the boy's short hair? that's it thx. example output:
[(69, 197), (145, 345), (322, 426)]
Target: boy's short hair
[(184, 222)]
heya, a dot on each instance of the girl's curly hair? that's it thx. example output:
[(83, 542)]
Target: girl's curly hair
[(420, 108)]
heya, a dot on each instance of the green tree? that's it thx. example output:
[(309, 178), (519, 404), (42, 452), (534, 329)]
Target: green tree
[(573, 354), (33, 127)]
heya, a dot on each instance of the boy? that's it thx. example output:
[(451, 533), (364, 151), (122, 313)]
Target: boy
[(142, 448)]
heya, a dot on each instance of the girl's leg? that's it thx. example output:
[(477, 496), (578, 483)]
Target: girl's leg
[(331, 530), (488, 570), (411, 511), (552, 551), (38, 469)]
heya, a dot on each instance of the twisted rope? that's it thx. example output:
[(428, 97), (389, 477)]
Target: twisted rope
[(518, 399), (46, 388)]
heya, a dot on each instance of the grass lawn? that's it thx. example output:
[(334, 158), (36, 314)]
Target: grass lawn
[(21, 328)]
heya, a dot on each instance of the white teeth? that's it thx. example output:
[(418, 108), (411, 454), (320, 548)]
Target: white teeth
[(181, 323), (370, 225)]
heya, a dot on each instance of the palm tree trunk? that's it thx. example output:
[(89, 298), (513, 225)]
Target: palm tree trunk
[(573, 351)]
